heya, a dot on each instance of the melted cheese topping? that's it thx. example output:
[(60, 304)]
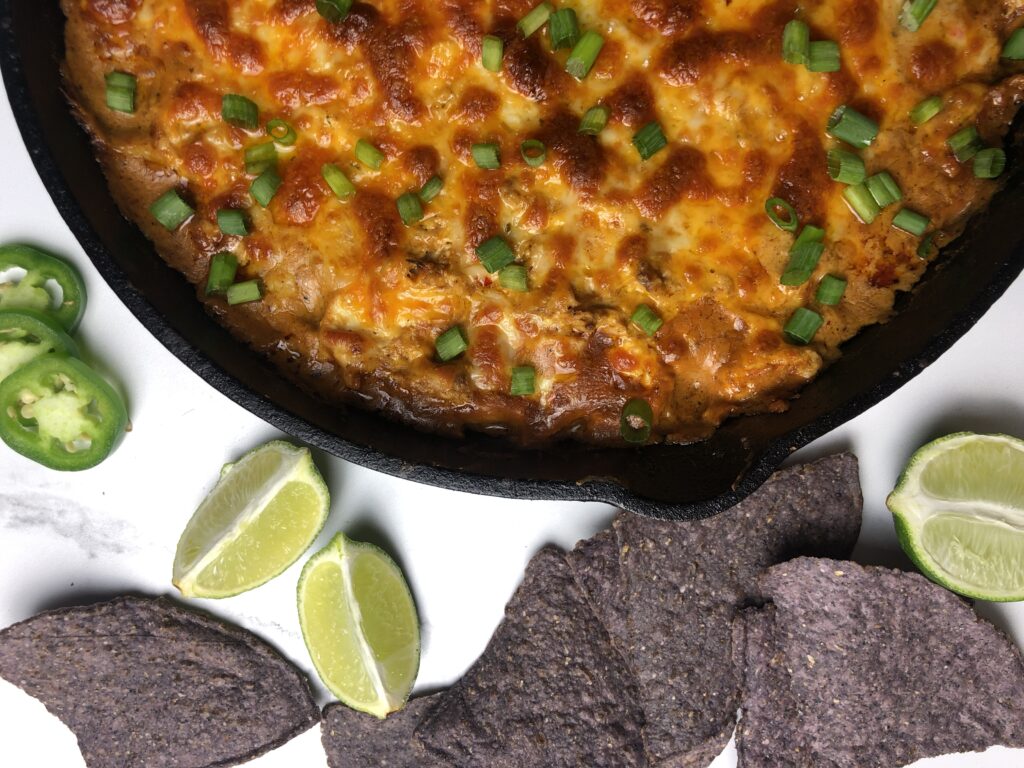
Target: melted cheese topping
[(353, 292)]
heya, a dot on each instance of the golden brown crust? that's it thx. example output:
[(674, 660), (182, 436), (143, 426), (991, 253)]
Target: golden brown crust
[(354, 299)]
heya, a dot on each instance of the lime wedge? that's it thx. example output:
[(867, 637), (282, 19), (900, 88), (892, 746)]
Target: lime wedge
[(959, 514), (360, 625), (259, 518)]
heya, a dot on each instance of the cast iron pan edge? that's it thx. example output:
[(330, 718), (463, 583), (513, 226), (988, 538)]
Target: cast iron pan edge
[(748, 461)]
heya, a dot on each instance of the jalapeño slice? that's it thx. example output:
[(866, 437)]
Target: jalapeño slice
[(31, 292), (26, 335), (56, 411)]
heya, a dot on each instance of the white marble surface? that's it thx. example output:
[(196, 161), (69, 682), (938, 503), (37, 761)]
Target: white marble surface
[(68, 538)]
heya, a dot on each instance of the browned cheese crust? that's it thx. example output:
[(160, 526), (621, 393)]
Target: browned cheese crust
[(354, 299)]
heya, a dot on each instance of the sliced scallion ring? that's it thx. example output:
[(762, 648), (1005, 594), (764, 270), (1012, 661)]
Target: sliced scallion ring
[(636, 421), (1014, 47), (845, 167), (334, 10), (534, 152), (265, 186), (862, 202), (121, 88), (491, 51), (830, 290), (495, 253), (239, 110), (594, 120), (223, 267), (649, 140), (514, 277), (369, 155), (584, 54), (823, 56), (915, 12), (451, 344), (232, 222), (965, 143), (563, 29), (796, 42), (431, 189), (925, 110), (535, 19), (782, 214), (487, 156), (646, 319), (803, 258), (849, 125), (170, 210), (259, 157), (911, 222), (884, 189), (802, 326), (989, 163), (337, 181), (243, 293), (523, 381), (281, 132)]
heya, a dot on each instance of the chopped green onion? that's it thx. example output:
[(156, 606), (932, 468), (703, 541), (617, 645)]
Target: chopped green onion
[(830, 290), (809, 234), (915, 12), (911, 222), (927, 248), (849, 125), (803, 258), (264, 187), (846, 167), (884, 189), (563, 28), (121, 89), (823, 56), (487, 156), (584, 54), (534, 20), (925, 110), (491, 51), (451, 344), (232, 222), (534, 152), (334, 10), (802, 326), (514, 278), (337, 181), (594, 120), (965, 143), (989, 163), (649, 140), (259, 157), (635, 423), (240, 111), (170, 210), (409, 208), (223, 267), (776, 208), (646, 319), (862, 202), (494, 253), (369, 155), (1014, 48), (243, 293), (523, 380), (796, 41), (281, 132), (431, 189)]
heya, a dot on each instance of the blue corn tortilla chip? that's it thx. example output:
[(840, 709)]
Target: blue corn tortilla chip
[(887, 668), (549, 690), (143, 682), (682, 585), (355, 740), (595, 564)]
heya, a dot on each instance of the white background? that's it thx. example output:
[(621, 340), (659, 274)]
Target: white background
[(70, 538)]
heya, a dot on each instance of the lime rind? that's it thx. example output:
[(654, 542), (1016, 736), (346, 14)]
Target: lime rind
[(958, 529), (340, 553), (296, 465)]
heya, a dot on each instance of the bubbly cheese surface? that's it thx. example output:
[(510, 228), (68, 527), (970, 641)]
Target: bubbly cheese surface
[(357, 299)]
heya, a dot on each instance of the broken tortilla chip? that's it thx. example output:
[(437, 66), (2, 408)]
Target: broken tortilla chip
[(144, 682), (353, 739), (549, 689), (888, 668), (682, 583)]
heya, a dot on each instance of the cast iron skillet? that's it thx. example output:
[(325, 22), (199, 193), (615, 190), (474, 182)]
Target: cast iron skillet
[(678, 482)]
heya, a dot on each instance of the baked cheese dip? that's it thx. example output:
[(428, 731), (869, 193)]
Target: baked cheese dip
[(606, 219)]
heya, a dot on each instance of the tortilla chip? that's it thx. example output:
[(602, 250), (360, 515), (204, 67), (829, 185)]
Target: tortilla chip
[(762, 738), (141, 681), (888, 668), (682, 583), (549, 690), (355, 740), (595, 564)]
